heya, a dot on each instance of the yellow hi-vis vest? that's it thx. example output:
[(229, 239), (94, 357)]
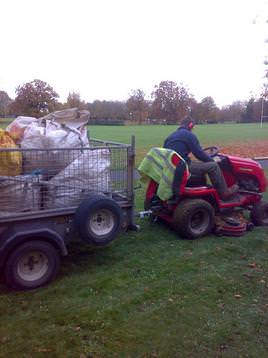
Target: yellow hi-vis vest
[(157, 165)]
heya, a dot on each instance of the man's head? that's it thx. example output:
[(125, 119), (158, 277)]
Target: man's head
[(187, 123)]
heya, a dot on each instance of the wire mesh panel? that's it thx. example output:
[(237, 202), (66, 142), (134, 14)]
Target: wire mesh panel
[(60, 178), (119, 164)]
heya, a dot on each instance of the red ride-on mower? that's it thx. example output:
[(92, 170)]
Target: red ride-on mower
[(199, 210)]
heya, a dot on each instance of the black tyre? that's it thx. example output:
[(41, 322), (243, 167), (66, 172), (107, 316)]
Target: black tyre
[(32, 264), (98, 220), (193, 218), (259, 213)]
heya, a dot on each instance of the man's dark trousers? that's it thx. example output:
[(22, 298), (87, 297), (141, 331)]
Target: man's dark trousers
[(213, 171)]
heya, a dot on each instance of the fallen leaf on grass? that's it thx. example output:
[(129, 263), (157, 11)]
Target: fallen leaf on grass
[(24, 305), (252, 265), (223, 347), (238, 296), (148, 355), (188, 253), (248, 275), (218, 248)]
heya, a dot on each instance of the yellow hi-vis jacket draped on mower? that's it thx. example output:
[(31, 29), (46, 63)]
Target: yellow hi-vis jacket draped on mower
[(158, 165)]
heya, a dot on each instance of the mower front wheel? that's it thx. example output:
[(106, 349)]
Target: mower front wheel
[(259, 213), (193, 218)]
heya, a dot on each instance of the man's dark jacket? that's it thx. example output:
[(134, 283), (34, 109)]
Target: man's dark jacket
[(183, 141)]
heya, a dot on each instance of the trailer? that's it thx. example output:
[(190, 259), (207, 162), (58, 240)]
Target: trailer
[(64, 194)]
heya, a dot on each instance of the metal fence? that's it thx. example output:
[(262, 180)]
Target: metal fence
[(41, 180)]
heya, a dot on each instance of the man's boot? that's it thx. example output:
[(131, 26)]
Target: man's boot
[(229, 192)]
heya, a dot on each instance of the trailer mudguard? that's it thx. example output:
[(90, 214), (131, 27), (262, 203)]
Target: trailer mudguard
[(12, 238)]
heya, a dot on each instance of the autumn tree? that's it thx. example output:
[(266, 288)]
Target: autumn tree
[(170, 101), (137, 106), (5, 102), (107, 110), (74, 101), (248, 115), (206, 111), (35, 99), (232, 112)]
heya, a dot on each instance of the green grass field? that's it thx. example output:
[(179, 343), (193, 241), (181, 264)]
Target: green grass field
[(210, 134), (148, 136), (149, 294)]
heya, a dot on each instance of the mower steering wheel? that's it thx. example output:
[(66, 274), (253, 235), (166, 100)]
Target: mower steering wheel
[(211, 151)]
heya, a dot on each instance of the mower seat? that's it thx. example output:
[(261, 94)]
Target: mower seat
[(194, 180), (179, 186)]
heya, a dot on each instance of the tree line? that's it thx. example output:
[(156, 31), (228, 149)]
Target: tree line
[(168, 104)]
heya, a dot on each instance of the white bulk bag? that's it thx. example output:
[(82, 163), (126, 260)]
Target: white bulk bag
[(89, 173), (17, 127), (50, 135)]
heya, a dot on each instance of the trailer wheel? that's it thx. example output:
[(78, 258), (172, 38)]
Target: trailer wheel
[(193, 218), (98, 220), (259, 213), (32, 264)]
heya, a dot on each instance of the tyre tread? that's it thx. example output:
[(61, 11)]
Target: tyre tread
[(11, 278), (83, 212), (182, 213)]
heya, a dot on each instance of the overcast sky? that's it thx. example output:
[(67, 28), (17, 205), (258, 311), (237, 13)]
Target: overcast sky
[(103, 49)]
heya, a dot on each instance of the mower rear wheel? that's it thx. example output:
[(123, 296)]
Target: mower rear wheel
[(193, 218), (259, 213)]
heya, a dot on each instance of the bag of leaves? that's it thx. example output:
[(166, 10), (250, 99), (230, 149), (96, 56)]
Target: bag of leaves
[(10, 161)]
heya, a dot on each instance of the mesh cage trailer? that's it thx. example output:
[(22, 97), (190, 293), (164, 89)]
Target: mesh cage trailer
[(60, 195)]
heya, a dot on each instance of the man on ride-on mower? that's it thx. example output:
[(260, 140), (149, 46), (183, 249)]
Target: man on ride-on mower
[(184, 142)]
